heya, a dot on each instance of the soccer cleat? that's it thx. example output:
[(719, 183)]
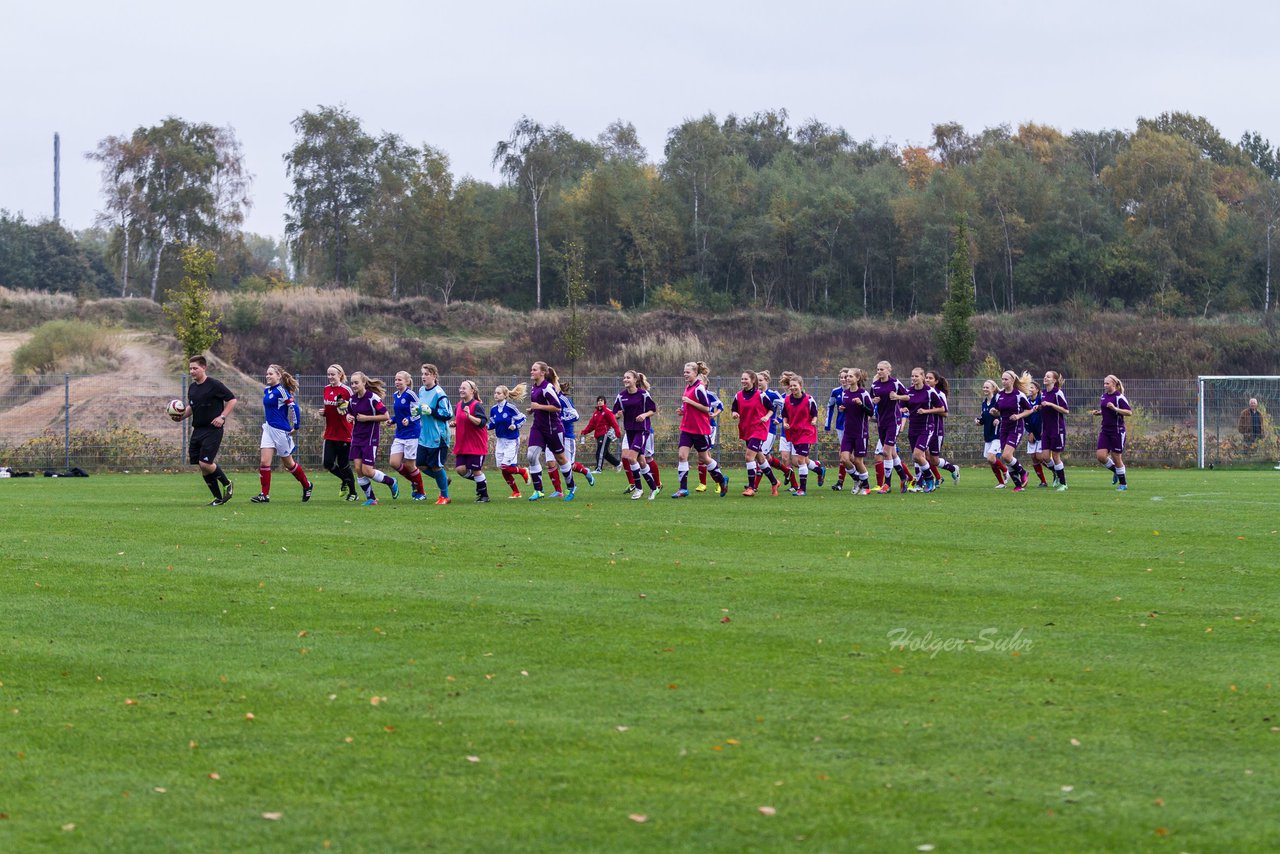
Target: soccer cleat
[(228, 492), (798, 493), (536, 496), (913, 488), (371, 502), (343, 492), (1115, 478), (748, 492), (524, 473), (596, 471), (306, 493), (822, 476), (1000, 485), (418, 496), (515, 494), (637, 493), (835, 487), (724, 485), (557, 494), (568, 496), (884, 489), (863, 491), (904, 487), (773, 490), (1062, 487), (261, 498), (654, 493), (394, 487), (955, 476), (217, 502), (702, 487), (441, 501), (1019, 487), (793, 490), (1042, 485), (680, 493), (591, 479), (482, 499), (1122, 487), (351, 496)]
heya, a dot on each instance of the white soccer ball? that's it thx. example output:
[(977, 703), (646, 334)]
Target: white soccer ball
[(176, 409)]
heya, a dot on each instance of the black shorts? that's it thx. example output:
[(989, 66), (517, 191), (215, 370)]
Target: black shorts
[(432, 458), (204, 445)]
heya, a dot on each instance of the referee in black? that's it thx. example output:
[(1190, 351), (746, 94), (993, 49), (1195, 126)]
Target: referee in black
[(209, 404)]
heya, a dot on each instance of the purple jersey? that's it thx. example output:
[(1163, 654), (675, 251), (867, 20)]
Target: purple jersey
[(886, 409), (857, 405), (1009, 403), (940, 420), (633, 404), (365, 433), (1112, 421), (1052, 422), (546, 423), (917, 400)]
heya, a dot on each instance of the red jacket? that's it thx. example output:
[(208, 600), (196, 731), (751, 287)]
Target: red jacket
[(602, 421)]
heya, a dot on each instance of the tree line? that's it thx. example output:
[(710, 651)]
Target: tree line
[(739, 211)]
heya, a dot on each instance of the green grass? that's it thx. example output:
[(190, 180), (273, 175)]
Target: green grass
[(743, 645)]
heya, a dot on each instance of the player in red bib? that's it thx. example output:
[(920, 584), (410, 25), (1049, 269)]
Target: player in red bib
[(753, 415), (695, 429), (337, 431), (800, 423)]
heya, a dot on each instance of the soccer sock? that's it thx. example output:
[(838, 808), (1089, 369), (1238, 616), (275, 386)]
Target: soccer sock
[(211, 481), (702, 474), (804, 477), (995, 469), (300, 476), (840, 477), (580, 468), (633, 474), (537, 479), (683, 469), (1120, 474), (379, 476), (264, 478), (416, 479), (349, 479), (1039, 471), (647, 474), (566, 471), (656, 472), (555, 477), (879, 472), (366, 486), (482, 485), (713, 468), (1110, 463), (221, 476), (1061, 471), (442, 481), (751, 475), (768, 472), (509, 475), (933, 470), (947, 465), (902, 471)]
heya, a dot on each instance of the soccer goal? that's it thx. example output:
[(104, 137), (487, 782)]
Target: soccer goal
[(1235, 419)]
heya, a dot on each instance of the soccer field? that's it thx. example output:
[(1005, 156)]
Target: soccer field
[(970, 670)]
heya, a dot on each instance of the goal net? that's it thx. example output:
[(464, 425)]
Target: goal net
[(1236, 420)]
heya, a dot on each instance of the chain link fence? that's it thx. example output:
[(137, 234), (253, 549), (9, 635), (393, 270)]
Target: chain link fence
[(55, 423)]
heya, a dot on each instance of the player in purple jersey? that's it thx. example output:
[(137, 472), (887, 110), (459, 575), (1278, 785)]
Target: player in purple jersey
[(367, 412), (637, 408), (1034, 432), (937, 462), (857, 408), (1014, 408), (1053, 425), (922, 405), (887, 425), (1114, 407), (547, 433)]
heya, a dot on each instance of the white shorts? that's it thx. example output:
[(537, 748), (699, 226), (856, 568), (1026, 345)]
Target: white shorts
[(785, 447), (407, 448), (766, 447), (992, 448), (646, 451), (280, 440), (570, 451), (506, 452), (839, 437), (1033, 447), (715, 435)]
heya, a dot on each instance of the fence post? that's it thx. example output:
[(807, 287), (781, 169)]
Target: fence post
[(66, 418), (186, 422)]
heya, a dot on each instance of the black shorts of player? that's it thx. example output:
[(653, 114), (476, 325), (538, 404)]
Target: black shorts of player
[(204, 444), (432, 458)]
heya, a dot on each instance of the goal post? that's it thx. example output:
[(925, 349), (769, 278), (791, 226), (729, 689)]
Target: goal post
[(1229, 429)]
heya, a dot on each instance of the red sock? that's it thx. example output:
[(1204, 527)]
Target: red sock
[(416, 477), (995, 469), (653, 472), (879, 472), (631, 476), (509, 475), (579, 468), (1040, 472), (936, 474), (702, 474), (264, 477), (843, 472), (300, 475), (555, 477)]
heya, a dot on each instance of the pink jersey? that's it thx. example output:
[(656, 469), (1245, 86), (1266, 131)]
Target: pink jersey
[(751, 409), (693, 420), (471, 438), (799, 414)]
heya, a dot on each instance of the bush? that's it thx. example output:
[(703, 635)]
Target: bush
[(245, 314), (117, 447), (65, 345)]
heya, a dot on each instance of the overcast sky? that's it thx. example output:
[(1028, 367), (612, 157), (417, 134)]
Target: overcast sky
[(458, 75)]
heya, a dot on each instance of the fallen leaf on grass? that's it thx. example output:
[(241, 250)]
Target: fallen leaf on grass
[(214, 775), (473, 759), (70, 827), (925, 847), (638, 818), (726, 620), (1075, 742), (622, 728), (193, 744), (129, 701), (248, 716), (159, 790), (273, 816), (1161, 831), (770, 811)]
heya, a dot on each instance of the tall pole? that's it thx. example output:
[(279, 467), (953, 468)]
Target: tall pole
[(57, 178)]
